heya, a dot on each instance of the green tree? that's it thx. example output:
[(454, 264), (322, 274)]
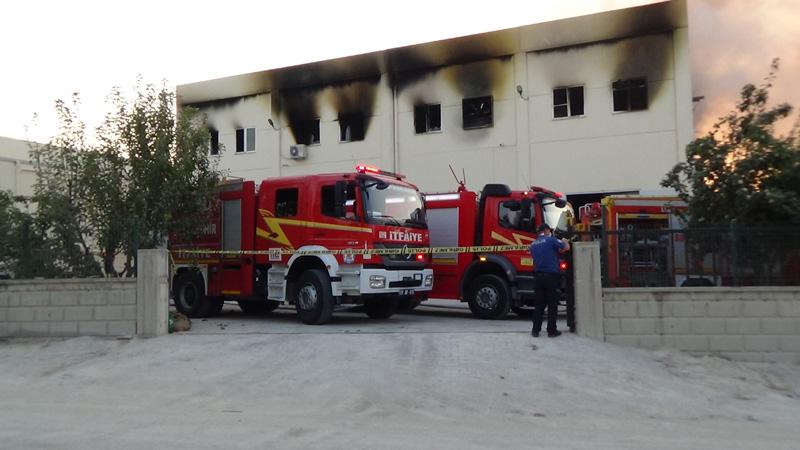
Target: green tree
[(60, 193), (146, 177), (741, 171), (6, 241), (155, 177), (25, 250)]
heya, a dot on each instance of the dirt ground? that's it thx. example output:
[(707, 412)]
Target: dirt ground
[(434, 378)]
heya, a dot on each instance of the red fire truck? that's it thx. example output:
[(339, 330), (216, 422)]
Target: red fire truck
[(644, 243), (491, 283), (367, 209)]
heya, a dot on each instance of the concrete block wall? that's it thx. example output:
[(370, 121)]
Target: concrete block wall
[(748, 324), (70, 307)]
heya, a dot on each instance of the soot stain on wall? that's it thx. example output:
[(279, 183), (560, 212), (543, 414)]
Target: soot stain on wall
[(634, 58), (356, 97), (221, 103), (407, 66), (480, 78), (298, 106)]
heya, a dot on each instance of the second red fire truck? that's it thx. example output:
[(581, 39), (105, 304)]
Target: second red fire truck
[(491, 283), (279, 239)]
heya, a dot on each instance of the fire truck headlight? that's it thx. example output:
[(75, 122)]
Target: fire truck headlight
[(377, 281), (428, 280)]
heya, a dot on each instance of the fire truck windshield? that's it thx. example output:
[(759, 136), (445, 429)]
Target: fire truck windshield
[(560, 219), (391, 204)]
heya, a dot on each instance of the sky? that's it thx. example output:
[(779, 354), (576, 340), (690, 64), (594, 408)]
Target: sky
[(51, 49)]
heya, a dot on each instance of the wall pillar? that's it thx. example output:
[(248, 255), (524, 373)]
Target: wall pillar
[(152, 293), (588, 290)]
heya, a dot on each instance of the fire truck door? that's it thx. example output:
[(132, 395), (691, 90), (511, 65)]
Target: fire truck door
[(332, 230)]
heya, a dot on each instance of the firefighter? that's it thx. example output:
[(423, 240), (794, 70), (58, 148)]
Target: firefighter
[(547, 279)]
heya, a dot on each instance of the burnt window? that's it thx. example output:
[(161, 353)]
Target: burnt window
[(245, 140), (329, 202), (307, 131), (213, 146), (630, 95), (477, 112), (427, 118), (286, 202), (351, 127), (568, 101)]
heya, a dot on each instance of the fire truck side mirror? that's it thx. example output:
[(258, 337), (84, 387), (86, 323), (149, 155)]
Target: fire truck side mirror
[(560, 203), (340, 196)]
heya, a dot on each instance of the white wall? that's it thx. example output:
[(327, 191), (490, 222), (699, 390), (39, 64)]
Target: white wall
[(604, 150), (16, 171), (745, 323), (246, 112), (486, 154)]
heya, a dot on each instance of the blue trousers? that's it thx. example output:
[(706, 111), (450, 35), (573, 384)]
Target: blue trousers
[(546, 286)]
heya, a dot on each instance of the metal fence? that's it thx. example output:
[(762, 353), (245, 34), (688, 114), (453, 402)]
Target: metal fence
[(724, 256)]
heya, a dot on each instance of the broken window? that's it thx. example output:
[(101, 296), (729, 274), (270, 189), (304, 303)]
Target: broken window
[(307, 131), (427, 118), (286, 202), (245, 140), (477, 112), (351, 127), (213, 147), (630, 95), (568, 101)]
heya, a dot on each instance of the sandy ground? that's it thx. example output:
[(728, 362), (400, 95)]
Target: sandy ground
[(434, 378)]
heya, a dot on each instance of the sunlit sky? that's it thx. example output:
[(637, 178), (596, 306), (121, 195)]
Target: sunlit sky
[(51, 49)]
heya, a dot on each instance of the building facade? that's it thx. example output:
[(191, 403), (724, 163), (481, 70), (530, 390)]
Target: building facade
[(587, 105), (17, 173)]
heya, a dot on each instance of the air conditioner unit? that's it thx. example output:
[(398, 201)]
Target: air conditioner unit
[(298, 151)]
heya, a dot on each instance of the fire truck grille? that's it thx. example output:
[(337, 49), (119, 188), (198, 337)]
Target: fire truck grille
[(401, 261), (408, 282)]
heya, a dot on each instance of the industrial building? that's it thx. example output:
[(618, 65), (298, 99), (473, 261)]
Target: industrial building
[(585, 105), (17, 173)]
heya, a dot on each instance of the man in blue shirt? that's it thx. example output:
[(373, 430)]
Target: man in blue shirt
[(547, 279)]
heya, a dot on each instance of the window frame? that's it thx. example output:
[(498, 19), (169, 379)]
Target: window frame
[(310, 124), (627, 89), (427, 118), (327, 192), (568, 99), (278, 191), (213, 142), (350, 119), (245, 141), (490, 123), (507, 225)]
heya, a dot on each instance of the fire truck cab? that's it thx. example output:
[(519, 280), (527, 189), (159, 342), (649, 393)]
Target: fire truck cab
[(491, 283), (315, 214)]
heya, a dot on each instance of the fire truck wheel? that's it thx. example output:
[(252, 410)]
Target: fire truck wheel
[(190, 295), (258, 307), (313, 299), (488, 297), (381, 308)]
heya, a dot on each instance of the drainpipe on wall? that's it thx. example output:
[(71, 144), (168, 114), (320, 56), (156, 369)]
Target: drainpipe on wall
[(395, 143)]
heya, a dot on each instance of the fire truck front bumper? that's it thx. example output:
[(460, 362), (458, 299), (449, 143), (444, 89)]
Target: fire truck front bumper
[(401, 282)]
